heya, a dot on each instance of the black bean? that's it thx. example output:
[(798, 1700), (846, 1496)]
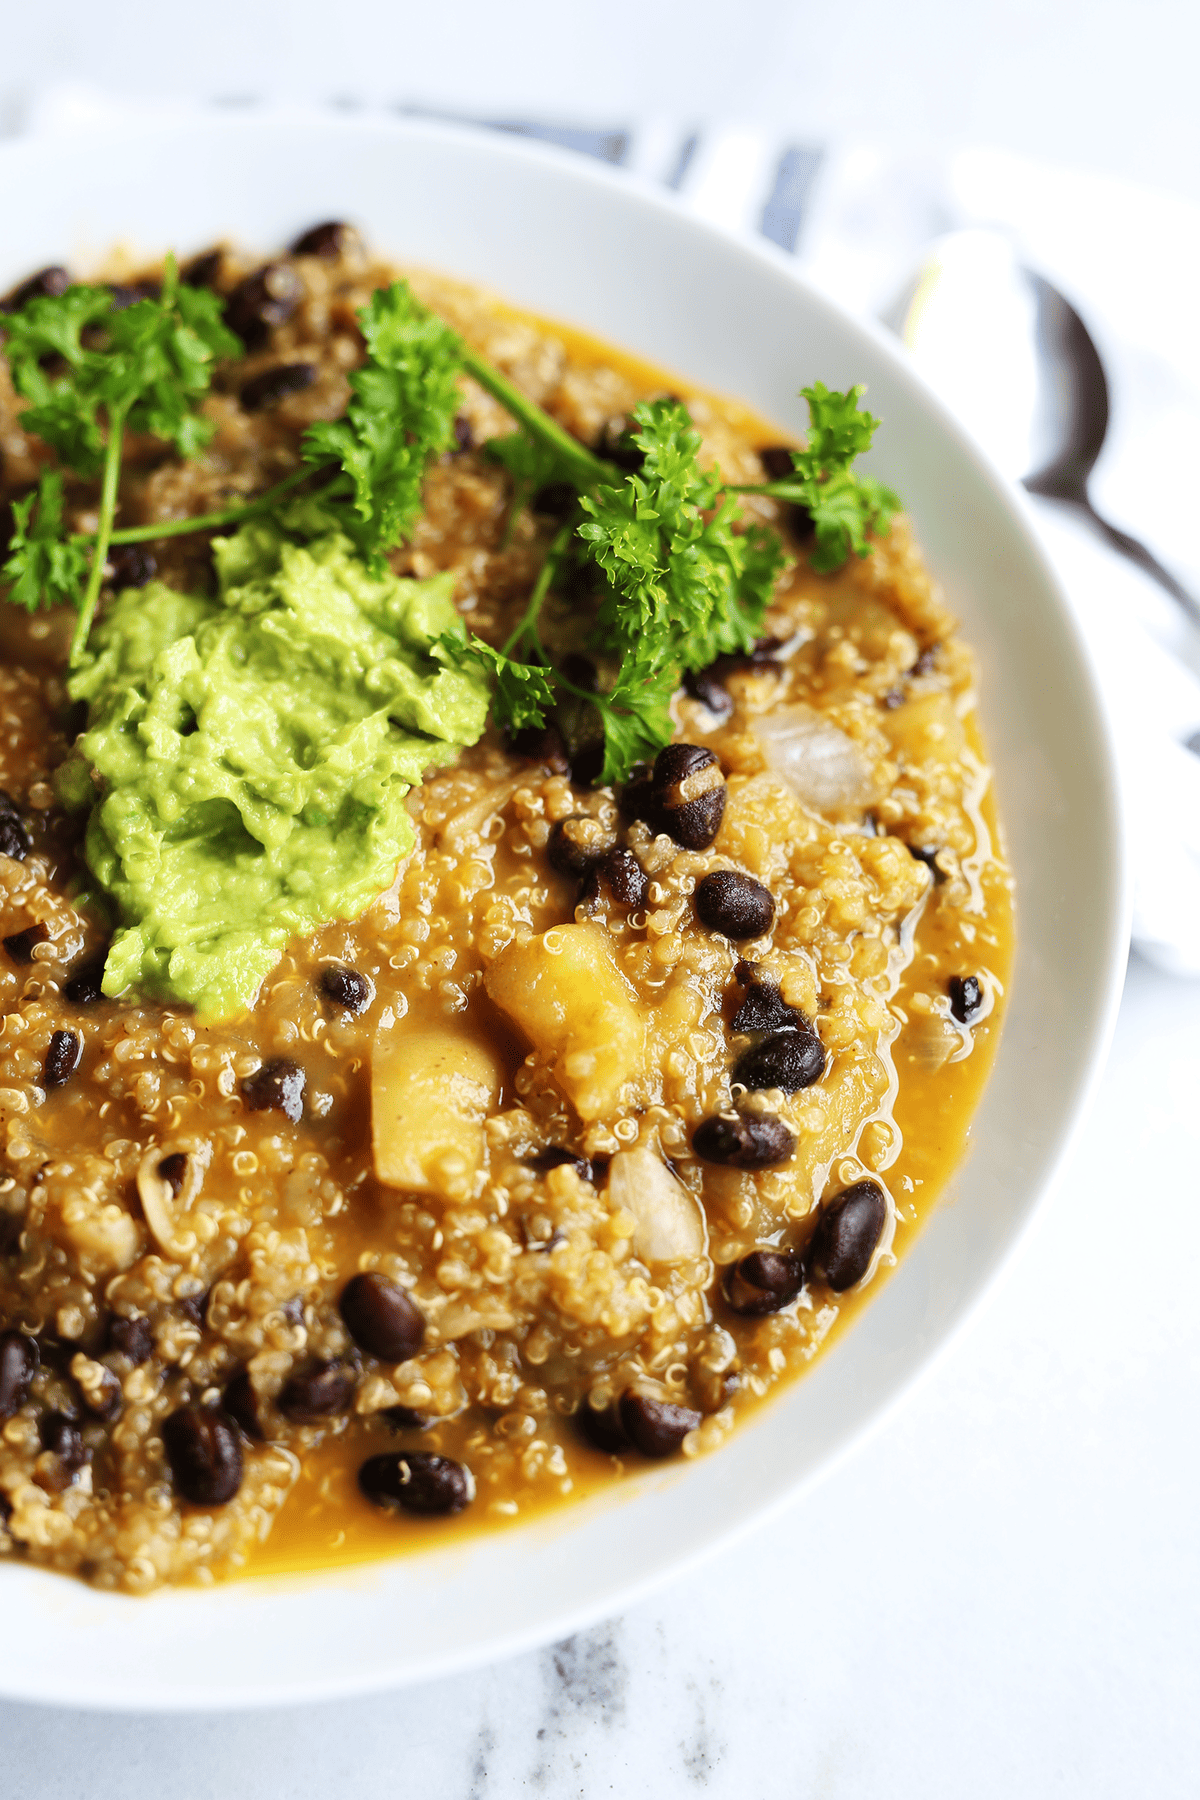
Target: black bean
[(47, 284), (763, 652), (743, 1141), (20, 945), (103, 1397), (763, 1282), (542, 744), (763, 1008), (62, 1058), (293, 1310), (313, 1394), (203, 271), (173, 1170), (777, 462), (787, 1059), (131, 566), (418, 1481), (274, 385), (60, 1435), (556, 500), (841, 1247), (346, 987), (18, 1360), (554, 1156), (928, 854), (382, 1317), (688, 794), (655, 1427), (328, 240), (8, 806), (407, 1418), (616, 445), (241, 1403), (11, 1226), (966, 997), (618, 877), (14, 839), (464, 436), (127, 293), (926, 663), (278, 1085), (637, 801), (83, 986), (601, 1426), (735, 905), (132, 1338), (265, 299), (893, 698), (576, 844), (707, 687), (194, 1308), (778, 466), (74, 720), (205, 1454), (581, 671), (587, 764)]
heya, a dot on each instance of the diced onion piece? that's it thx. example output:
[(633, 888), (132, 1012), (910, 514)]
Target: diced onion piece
[(670, 1224), (931, 1041), (823, 767)]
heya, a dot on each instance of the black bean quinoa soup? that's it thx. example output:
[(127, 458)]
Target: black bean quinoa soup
[(580, 1140)]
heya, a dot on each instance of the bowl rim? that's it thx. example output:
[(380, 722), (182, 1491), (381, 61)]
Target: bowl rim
[(26, 1681)]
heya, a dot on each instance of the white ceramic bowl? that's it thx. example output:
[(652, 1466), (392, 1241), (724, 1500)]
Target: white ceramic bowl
[(579, 243)]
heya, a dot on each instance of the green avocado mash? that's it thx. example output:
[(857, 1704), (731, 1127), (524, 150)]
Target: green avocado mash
[(252, 755)]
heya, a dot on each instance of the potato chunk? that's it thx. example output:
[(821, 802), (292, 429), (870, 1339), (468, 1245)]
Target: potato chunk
[(568, 996), (430, 1093)]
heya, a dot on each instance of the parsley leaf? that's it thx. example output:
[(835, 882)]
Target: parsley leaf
[(531, 463), (159, 359), (688, 586), (58, 374), (844, 506), (88, 372), (405, 397), (682, 585), (523, 691), (636, 715), (44, 567)]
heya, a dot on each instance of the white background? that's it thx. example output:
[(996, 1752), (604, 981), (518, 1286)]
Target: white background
[(998, 1595), (1107, 83)]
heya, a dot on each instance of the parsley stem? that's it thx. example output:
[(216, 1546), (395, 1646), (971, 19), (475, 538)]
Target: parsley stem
[(585, 470), (231, 515), (775, 490), (541, 587), (108, 508)]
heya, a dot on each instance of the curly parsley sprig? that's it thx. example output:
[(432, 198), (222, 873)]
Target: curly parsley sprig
[(90, 373), (404, 400), (845, 505), (685, 580), (681, 577)]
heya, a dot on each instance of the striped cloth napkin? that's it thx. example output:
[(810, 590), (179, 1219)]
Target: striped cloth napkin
[(859, 218)]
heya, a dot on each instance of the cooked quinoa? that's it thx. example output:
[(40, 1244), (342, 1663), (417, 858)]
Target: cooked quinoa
[(628, 1126)]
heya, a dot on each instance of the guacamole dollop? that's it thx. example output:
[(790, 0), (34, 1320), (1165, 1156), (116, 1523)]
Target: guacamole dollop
[(252, 754)]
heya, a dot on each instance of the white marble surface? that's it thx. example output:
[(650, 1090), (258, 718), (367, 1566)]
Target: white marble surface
[(995, 1597)]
